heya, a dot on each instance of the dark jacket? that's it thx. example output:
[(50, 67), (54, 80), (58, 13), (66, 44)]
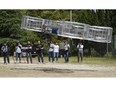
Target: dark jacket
[(39, 48)]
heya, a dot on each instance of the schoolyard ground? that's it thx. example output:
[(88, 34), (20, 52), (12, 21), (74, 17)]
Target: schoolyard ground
[(90, 67)]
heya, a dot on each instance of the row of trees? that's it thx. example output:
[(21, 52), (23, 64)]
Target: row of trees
[(10, 23)]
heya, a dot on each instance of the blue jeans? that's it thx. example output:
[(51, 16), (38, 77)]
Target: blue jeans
[(18, 55), (66, 56), (51, 55), (28, 54), (56, 54)]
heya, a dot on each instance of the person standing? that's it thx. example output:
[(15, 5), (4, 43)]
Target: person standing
[(18, 52), (5, 51), (28, 52), (80, 51), (51, 53), (56, 52), (61, 51), (40, 49), (21, 49), (66, 52)]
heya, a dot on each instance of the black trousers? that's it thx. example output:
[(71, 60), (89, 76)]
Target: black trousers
[(61, 52), (40, 56), (6, 57), (29, 55)]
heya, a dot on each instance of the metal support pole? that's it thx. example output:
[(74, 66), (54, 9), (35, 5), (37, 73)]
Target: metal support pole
[(71, 38), (107, 43), (107, 50), (71, 15)]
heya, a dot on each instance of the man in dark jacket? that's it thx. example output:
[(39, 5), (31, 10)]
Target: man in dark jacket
[(28, 52), (5, 51), (39, 49)]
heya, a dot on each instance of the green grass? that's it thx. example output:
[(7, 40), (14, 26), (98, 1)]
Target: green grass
[(100, 61), (86, 60), (90, 60)]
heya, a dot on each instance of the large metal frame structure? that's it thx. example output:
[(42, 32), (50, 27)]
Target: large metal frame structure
[(68, 29)]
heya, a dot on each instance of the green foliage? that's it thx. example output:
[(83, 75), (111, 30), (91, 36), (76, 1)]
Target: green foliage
[(28, 35), (10, 21)]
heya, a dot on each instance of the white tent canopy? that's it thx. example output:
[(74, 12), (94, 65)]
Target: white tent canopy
[(68, 29)]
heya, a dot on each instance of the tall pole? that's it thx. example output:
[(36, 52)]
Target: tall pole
[(107, 44), (71, 15), (71, 21), (107, 49)]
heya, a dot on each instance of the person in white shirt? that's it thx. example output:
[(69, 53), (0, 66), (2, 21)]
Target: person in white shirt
[(51, 53), (18, 52), (66, 52), (56, 51), (80, 51)]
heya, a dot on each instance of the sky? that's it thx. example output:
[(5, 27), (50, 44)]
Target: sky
[(57, 4)]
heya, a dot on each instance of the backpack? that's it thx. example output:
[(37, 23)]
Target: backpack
[(4, 48)]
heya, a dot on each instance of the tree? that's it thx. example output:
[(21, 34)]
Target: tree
[(10, 21)]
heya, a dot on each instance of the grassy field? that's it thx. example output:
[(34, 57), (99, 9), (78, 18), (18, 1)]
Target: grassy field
[(93, 61), (73, 60)]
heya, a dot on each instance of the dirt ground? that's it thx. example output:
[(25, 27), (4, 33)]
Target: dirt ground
[(56, 70)]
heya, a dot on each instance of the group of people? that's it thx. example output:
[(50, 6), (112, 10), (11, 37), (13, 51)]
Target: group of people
[(55, 51), (39, 50)]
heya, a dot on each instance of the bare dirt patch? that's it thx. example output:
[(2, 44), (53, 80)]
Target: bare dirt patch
[(56, 70)]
